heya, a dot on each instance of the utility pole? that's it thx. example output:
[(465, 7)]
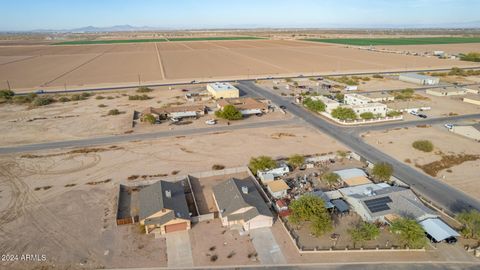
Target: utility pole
[(139, 80), (8, 85)]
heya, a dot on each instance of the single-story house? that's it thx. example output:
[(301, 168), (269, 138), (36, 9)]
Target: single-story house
[(472, 99), (240, 205), (278, 189), (247, 106), (353, 177), (330, 104), (375, 108), (176, 111), (419, 79), (163, 208), (469, 131), (221, 90), (356, 99), (379, 96)]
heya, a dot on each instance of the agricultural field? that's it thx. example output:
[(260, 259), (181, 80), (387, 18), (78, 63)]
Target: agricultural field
[(27, 68), (119, 41), (399, 41)]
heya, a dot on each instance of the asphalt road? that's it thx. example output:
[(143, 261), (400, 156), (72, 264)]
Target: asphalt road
[(140, 136), (441, 194)]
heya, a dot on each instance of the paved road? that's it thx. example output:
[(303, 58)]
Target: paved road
[(135, 86), (268, 250), (140, 136), (441, 194), (179, 250)]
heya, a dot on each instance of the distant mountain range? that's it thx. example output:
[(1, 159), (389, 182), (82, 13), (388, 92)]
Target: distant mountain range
[(130, 28)]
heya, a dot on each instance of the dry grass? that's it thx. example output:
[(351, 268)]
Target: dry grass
[(279, 135), (93, 183), (446, 162), (77, 151)]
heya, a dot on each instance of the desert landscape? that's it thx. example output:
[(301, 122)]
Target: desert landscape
[(73, 66)]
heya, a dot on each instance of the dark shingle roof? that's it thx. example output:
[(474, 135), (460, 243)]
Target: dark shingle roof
[(230, 198), (153, 199)]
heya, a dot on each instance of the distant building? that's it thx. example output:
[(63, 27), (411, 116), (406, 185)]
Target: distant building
[(176, 111), (447, 91), (246, 106), (163, 208), (419, 79), (472, 99), (353, 177), (222, 90), (356, 99), (469, 131), (278, 189), (379, 97), (240, 205), (375, 108)]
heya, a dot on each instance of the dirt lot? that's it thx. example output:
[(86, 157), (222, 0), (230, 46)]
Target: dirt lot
[(64, 202), (464, 177), (210, 238), (29, 67)]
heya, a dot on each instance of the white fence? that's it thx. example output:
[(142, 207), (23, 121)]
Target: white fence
[(362, 121)]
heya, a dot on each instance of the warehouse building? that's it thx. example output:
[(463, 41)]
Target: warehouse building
[(222, 90), (447, 91), (419, 79)]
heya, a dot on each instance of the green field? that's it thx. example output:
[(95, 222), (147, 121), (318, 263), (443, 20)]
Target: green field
[(117, 41), (398, 41)]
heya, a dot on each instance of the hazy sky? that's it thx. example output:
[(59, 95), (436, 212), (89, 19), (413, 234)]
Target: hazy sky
[(61, 14)]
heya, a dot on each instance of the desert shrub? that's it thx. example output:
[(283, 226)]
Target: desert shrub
[(261, 163), (6, 94), (296, 160), (377, 76), (99, 97), (43, 101), (472, 57), (423, 145), (393, 113), (139, 97), (149, 118), (367, 115), (64, 99), (382, 171), (217, 167), (331, 178), (102, 105), (471, 224), (144, 89), (114, 112)]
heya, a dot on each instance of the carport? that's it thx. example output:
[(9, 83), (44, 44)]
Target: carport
[(438, 230)]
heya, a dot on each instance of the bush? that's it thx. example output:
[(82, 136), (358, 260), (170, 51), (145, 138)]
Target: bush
[(217, 167), (344, 113), (314, 105), (82, 96), (382, 171), (331, 178), (404, 94), (423, 145), (24, 99), (296, 161), (149, 118), (6, 94), (472, 57), (340, 97), (102, 105), (367, 115), (43, 101), (411, 233), (471, 224), (261, 163), (393, 113), (139, 97), (377, 76), (229, 112), (64, 99), (114, 112), (311, 208), (364, 231), (144, 89), (99, 97)]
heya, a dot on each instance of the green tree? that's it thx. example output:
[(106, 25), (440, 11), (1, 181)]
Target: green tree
[(314, 105), (471, 223), (331, 178), (423, 145), (382, 171), (311, 208), (149, 118), (344, 113), (229, 112), (261, 163), (364, 231), (296, 160), (367, 115), (410, 233), (340, 97)]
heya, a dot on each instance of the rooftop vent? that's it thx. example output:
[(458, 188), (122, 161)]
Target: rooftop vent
[(245, 190), (168, 193)]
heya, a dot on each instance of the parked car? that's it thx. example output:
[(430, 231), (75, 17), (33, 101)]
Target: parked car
[(211, 122), (414, 113), (449, 126), (422, 116), (174, 120), (283, 107), (40, 91), (185, 90)]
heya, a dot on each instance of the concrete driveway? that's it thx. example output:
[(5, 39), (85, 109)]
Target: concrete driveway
[(179, 250), (268, 250)]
